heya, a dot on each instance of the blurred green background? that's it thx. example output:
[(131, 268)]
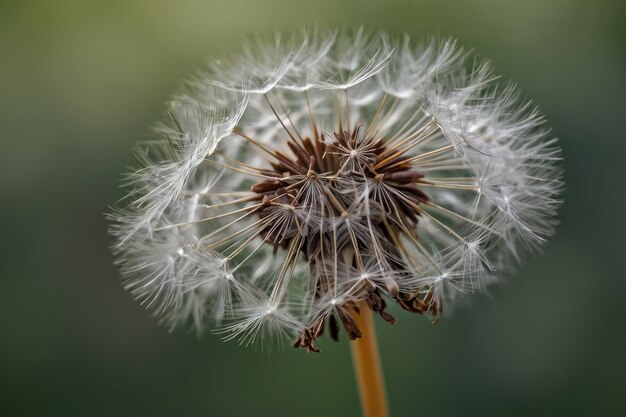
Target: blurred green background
[(80, 82)]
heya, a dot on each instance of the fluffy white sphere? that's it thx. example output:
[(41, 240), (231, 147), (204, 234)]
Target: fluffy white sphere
[(309, 172)]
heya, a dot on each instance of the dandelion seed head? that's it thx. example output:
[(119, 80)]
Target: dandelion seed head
[(311, 172)]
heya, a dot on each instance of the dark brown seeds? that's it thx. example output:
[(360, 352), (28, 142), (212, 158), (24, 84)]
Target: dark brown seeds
[(323, 177)]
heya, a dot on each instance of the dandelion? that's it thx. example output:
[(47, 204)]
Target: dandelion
[(309, 180)]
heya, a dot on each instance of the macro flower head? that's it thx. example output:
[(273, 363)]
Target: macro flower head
[(310, 173)]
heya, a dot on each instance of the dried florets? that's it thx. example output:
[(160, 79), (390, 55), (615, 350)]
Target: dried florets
[(309, 174)]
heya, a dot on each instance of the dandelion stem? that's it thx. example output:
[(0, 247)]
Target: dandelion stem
[(367, 366)]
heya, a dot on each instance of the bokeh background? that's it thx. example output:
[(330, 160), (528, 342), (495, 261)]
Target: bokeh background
[(80, 82)]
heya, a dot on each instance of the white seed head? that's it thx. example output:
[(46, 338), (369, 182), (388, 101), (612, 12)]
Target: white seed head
[(307, 173)]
